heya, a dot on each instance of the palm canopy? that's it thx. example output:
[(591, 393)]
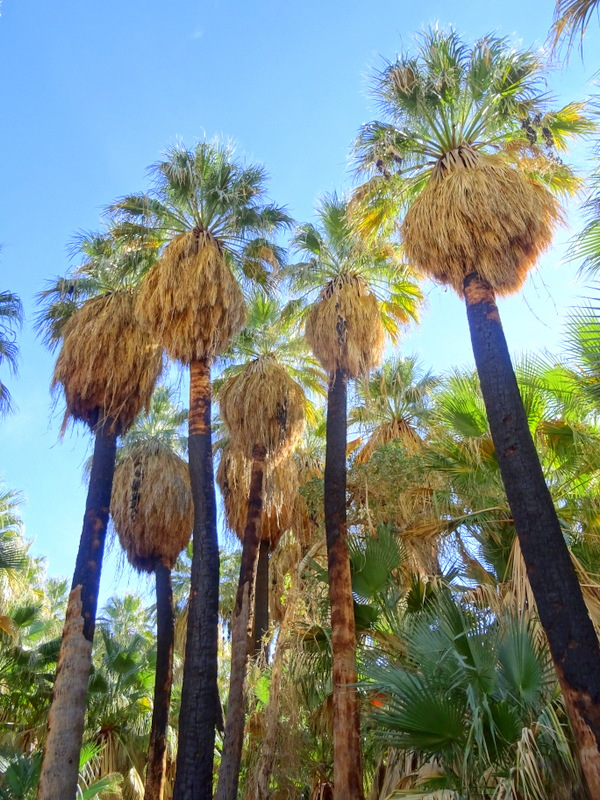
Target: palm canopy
[(105, 265), (451, 100), (207, 188), (11, 318), (333, 252)]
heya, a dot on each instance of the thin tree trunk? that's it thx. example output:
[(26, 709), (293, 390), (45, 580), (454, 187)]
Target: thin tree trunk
[(261, 601), (60, 764), (561, 607), (241, 635), (199, 694), (347, 757), (165, 637)]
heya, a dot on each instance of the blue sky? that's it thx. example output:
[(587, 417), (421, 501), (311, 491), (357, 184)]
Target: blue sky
[(91, 93)]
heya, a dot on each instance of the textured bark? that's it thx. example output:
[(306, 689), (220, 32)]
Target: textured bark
[(199, 694), (559, 600), (347, 757), (261, 602), (60, 764), (241, 636), (165, 637)]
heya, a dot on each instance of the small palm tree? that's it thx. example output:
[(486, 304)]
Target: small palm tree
[(151, 508), (469, 152), (364, 292), (263, 409), (211, 210), (107, 367), (11, 318)]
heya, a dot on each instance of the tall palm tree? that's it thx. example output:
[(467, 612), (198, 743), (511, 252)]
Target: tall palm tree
[(363, 291), (107, 367), (151, 508), (11, 318), (211, 210), (469, 149), (263, 408)]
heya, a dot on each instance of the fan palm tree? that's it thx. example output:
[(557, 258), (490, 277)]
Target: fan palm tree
[(211, 210), (151, 508), (393, 404), (469, 150), (11, 318), (265, 437), (364, 292), (107, 367)]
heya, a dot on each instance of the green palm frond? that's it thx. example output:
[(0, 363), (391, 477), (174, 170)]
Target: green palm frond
[(571, 19)]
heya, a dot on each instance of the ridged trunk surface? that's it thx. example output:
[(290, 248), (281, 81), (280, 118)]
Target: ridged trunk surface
[(347, 756), (561, 607), (165, 637), (241, 635), (199, 694), (261, 601), (60, 764)]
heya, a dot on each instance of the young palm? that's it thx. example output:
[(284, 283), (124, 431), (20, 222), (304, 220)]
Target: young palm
[(364, 293), (11, 318), (469, 150), (263, 409), (211, 210), (151, 509), (107, 367)]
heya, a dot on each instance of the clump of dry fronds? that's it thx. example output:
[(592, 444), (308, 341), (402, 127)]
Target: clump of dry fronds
[(191, 299), (344, 327), (479, 215), (108, 363), (281, 489), (263, 406), (390, 431), (151, 505)]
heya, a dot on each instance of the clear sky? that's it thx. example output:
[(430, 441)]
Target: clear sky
[(92, 92)]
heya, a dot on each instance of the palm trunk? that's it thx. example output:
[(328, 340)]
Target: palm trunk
[(200, 694), (261, 601), (165, 637), (241, 635), (347, 757), (60, 764), (561, 607)]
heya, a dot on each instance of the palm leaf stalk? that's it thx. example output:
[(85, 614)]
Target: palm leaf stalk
[(471, 145), (268, 436), (107, 367), (211, 210), (363, 291)]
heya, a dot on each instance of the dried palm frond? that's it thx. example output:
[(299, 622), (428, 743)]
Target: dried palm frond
[(281, 489), (486, 217), (344, 327), (109, 363), (151, 505), (386, 432), (263, 406), (191, 299)]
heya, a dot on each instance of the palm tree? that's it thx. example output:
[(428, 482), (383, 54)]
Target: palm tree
[(393, 405), (469, 148), (346, 329), (211, 210), (107, 367), (263, 409), (151, 508), (11, 318)]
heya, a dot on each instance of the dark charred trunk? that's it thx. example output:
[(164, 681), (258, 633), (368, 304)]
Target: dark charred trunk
[(261, 602), (347, 757), (560, 604), (241, 635), (60, 765), (165, 636), (199, 696)]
